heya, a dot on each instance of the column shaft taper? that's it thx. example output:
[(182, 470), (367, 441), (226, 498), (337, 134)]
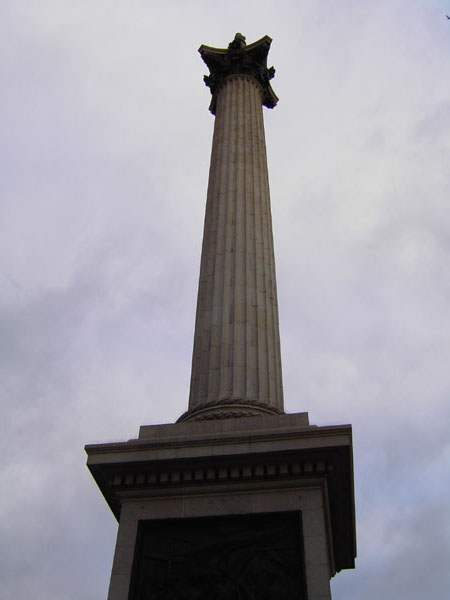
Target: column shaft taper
[(236, 365)]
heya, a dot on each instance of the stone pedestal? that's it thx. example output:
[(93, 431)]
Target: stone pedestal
[(259, 466)]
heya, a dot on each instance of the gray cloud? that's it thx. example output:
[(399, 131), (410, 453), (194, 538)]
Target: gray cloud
[(105, 147)]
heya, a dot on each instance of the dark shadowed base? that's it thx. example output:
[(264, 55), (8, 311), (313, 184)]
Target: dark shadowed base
[(238, 557)]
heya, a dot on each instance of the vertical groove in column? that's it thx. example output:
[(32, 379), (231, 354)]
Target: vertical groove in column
[(214, 389), (216, 252), (267, 299), (198, 355), (263, 366), (274, 296), (254, 162), (238, 345), (246, 292), (234, 250), (210, 300), (234, 325), (277, 374), (236, 354), (274, 304), (269, 281), (212, 249), (224, 352), (212, 229)]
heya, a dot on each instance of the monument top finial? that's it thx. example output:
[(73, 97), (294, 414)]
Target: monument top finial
[(238, 42), (239, 59)]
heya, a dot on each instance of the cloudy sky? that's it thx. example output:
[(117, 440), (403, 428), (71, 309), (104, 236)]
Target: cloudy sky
[(105, 142)]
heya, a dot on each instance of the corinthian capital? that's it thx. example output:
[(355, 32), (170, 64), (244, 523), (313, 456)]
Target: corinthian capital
[(239, 59)]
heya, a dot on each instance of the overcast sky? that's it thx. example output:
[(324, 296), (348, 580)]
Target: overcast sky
[(105, 138)]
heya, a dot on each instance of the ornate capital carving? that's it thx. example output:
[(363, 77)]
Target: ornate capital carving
[(239, 59)]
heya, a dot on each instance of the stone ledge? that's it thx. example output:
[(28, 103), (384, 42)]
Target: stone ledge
[(226, 457), (153, 478)]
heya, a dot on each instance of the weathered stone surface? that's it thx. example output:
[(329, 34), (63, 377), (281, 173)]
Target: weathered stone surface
[(236, 365)]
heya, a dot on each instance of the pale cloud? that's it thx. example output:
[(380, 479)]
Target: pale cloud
[(105, 146)]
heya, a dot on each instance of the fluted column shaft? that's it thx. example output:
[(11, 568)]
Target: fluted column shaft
[(236, 363)]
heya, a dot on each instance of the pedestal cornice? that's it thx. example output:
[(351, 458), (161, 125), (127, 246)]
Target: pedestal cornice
[(226, 457)]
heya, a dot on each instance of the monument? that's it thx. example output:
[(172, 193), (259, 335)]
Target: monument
[(237, 500)]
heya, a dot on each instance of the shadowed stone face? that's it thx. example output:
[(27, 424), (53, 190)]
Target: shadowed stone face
[(257, 557)]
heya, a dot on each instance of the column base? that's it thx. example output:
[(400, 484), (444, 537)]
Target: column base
[(229, 409)]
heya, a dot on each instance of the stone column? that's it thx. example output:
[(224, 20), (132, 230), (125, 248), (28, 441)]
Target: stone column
[(236, 365)]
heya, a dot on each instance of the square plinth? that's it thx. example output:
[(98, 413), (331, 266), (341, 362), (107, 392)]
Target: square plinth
[(255, 467)]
